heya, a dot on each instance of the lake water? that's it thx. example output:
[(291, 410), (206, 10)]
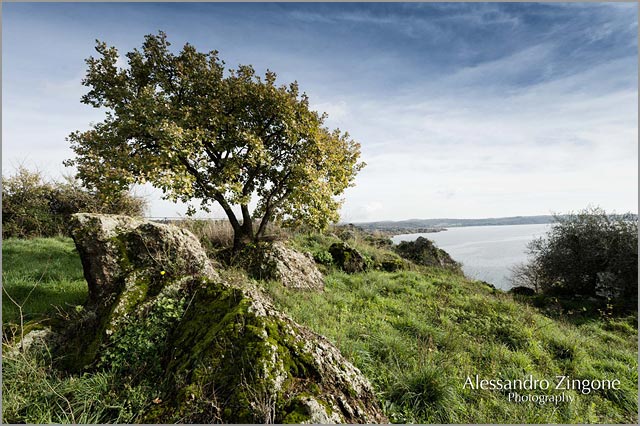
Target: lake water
[(486, 252)]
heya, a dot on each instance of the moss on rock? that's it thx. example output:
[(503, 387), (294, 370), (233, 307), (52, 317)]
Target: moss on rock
[(348, 258), (215, 351), (424, 252), (233, 347)]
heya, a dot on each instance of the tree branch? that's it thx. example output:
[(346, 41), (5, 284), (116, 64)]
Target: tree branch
[(216, 195)]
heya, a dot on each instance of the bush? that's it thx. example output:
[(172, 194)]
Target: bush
[(25, 206), (323, 257), (35, 207), (590, 253)]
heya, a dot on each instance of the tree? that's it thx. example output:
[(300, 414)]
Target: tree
[(589, 253), (196, 131), (527, 275)]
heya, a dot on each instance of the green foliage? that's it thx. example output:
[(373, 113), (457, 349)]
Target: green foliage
[(136, 344), (323, 257), (198, 131), (589, 253), (25, 206), (35, 207)]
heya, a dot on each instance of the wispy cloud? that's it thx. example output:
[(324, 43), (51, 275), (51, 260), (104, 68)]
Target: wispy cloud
[(461, 109)]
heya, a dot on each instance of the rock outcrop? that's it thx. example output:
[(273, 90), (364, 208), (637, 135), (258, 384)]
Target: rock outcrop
[(215, 351), (126, 262), (292, 268), (522, 291), (424, 252), (116, 249), (347, 258), (247, 362), (390, 263)]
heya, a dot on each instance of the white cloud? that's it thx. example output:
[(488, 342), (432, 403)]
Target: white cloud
[(555, 146), (520, 134)]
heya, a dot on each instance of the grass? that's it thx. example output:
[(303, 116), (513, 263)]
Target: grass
[(416, 334), (41, 274), (33, 392)]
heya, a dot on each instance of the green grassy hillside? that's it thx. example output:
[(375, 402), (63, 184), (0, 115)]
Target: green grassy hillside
[(417, 334)]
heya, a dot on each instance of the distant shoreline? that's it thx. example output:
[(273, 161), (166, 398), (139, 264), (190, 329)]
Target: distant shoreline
[(425, 226), (416, 226)]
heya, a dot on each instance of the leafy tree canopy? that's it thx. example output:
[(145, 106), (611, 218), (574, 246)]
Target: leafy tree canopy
[(197, 131)]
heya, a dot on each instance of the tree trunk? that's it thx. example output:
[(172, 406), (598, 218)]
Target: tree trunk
[(242, 236), (243, 233)]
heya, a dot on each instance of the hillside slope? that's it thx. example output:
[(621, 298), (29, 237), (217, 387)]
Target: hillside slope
[(418, 334)]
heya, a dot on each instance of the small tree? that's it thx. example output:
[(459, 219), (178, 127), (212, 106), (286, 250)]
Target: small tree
[(527, 275), (196, 131), (590, 253)]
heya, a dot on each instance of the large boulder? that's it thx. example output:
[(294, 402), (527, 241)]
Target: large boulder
[(295, 269), (116, 249), (212, 350), (237, 359), (126, 262), (275, 261), (424, 252), (348, 258)]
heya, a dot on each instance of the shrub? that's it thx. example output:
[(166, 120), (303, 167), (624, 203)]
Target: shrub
[(35, 207), (589, 253), (25, 206), (323, 257)]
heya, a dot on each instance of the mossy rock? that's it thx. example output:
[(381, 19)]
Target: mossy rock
[(214, 351), (248, 363), (112, 247), (424, 252), (127, 262), (275, 261), (390, 263), (348, 258)]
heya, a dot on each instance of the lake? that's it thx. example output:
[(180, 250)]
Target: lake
[(486, 252)]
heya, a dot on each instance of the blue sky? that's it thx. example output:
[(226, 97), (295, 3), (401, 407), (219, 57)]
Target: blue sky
[(462, 110)]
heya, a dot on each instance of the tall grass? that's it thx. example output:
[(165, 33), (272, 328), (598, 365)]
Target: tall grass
[(213, 234), (33, 392)]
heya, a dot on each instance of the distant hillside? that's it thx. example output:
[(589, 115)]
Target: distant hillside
[(412, 224), (436, 225)]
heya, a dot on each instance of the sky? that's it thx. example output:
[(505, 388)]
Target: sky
[(463, 110)]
